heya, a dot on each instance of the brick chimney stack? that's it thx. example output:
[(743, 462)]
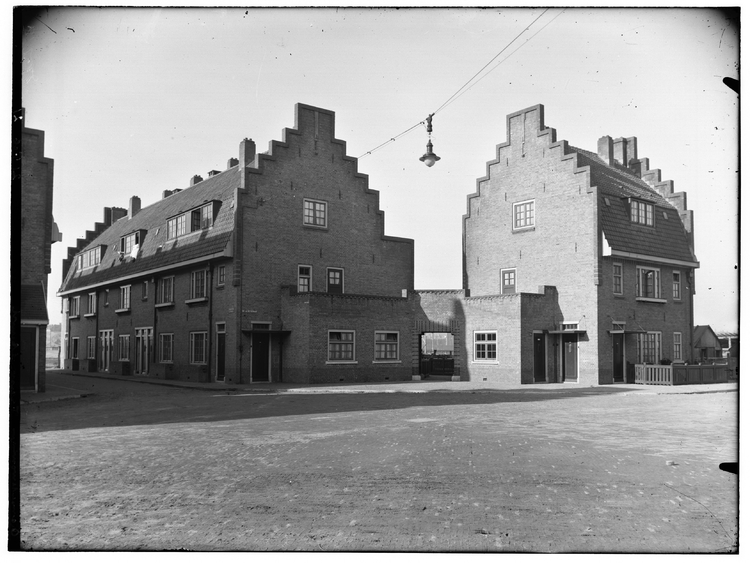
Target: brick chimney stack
[(232, 162), (134, 207), (604, 147), (247, 156), (195, 180)]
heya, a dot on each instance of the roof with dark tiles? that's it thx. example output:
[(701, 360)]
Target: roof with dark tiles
[(155, 251), (666, 239)]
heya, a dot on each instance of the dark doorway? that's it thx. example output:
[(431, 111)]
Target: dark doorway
[(436, 354), (28, 357), (220, 352), (540, 372), (261, 355), (570, 357), (618, 365)]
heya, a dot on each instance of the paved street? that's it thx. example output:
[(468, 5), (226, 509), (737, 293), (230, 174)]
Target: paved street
[(539, 468)]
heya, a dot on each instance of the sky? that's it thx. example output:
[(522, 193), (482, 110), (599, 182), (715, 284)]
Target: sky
[(134, 101)]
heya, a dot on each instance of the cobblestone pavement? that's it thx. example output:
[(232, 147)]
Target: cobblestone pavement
[(133, 466)]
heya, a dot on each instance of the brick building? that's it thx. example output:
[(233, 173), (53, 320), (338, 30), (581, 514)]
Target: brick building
[(38, 232), (605, 230), (274, 269), (575, 265)]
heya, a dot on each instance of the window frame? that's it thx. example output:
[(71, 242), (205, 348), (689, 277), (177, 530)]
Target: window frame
[(91, 347), (91, 305), (382, 347), (221, 274), (74, 307), (488, 347), (162, 341), (643, 347), (128, 241), (301, 277), (310, 213), (176, 226), (203, 352), (328, 280), (642, 212), (503, 271), (617, 278), (125, 299), (351, 356), (74, 349), (524, 215), (676, 285), (641, 293), (160, 286), (677, 346), (194, 285)]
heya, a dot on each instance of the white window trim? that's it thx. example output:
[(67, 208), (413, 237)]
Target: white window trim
[(515, 279), (89, 312), (125, 309), (221, 280), (90, 348), (325, 208), (677, 340), (343, 278), (354, 348), (205, 348), (161, 348), (74, 307), (533, 218), (193, 297), (657, 286), (159, 292), (398, 347), (120, 357), (679, 274), (641, 342), (75, 348), (310, 278), (474, 347)]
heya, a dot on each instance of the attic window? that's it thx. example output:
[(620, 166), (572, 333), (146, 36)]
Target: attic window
[(665, 214), (641, 212), (90, 258), (129, 241), (202, 218), (606, 200)]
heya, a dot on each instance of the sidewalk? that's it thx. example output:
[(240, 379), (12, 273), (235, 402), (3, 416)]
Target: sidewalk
[(57, 392)]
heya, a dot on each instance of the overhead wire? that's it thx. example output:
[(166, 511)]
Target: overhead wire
[(464, 88)]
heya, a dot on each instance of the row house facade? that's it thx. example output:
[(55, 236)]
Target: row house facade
[(576, 265)]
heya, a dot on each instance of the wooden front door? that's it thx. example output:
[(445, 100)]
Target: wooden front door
[(570, 357), (540, 371), (618, 365), (261, 357)]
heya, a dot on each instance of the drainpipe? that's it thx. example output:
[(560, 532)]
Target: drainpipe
[(211, 332)]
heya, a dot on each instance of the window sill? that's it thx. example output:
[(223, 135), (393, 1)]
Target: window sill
[(486, 362), (196, 300), (524, 229), (386, 361), (73, 317), (341, 362), (650, 300), (160, 305), (119, 311), (90, 315), (316, 227)]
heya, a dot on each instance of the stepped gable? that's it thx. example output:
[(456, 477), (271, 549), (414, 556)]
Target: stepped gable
[(155, 251), (668, 238)]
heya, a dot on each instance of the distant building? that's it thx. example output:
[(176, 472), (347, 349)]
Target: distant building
[(706, 344), (730, 344), (576, 264), (38, 232)]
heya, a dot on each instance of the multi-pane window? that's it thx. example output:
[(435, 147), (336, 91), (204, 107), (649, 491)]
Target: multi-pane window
[(91, 347), (485, 346), (649, 347), (90, 258), (176, 227), (74, 348), (166, 345), (165, 291), (304, 279), (123, 347), (649, 284), (508, 281), (221, 275), (617, 278), (642, 212), (128, 242), (677, 346), (198, 284), (676, 286), (144, 290), (198, 342), (341, 346), (386, 346), (523, 214), (124, 297), (335, 280), (315, 213), (201, 218), (91, 304), (74, 306)]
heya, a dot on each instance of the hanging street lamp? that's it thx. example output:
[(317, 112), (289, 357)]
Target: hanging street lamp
[(429, 158)]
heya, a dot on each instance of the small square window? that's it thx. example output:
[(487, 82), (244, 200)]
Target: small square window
[(523, 214)]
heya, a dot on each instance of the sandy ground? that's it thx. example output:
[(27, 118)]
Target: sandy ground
[(135, 466)]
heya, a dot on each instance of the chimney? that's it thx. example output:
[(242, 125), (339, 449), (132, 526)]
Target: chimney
[(134, 207), (620, 154), (605, 149), (631, 150), (232, 162), (247, 156), (195, 180), (213, 173), (166, 193), (176, 190)]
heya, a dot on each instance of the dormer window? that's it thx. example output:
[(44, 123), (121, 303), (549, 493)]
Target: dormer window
[(90, 258), (175, 227), (202, 218), (641, 212), (199, 218)]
